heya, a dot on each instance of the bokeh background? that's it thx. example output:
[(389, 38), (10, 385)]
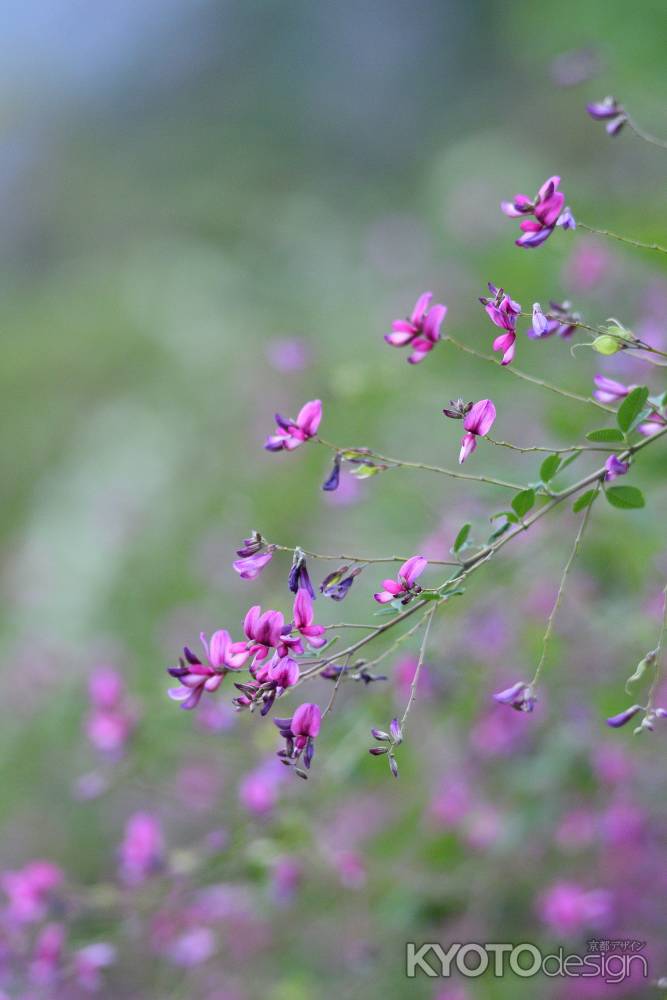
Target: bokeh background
[(213, 210)]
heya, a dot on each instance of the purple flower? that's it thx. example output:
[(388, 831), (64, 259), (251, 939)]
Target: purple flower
[(141, 852), (196, 677), (337, 584), (421, 330), (616, 721), (561, 320), (89, 960), (332, 482), (111, 719), (48, 954), (548, 209), (403, 586), (290, 434), (653, 423), (284, 672), (519, 696), (477, 423), (609, 391), (253, 555), (503, 311), (610, 111), (298, 578), (300, 733), (615, 468)]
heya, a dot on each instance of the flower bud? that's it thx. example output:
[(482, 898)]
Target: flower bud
[(607, 344)]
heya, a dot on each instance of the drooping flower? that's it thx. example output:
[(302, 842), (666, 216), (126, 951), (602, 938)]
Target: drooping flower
[(299, 734), (253, 555), (477, 423), (548, 209), (608, 390), (303, 622), (196, 677), (332, 482), (503, 311), (615, 467), (298, 578), (616, 721), (141, 852), (561, 319), (403, 587), (519, 696), (610, 111), (421, 330), (290, 434)]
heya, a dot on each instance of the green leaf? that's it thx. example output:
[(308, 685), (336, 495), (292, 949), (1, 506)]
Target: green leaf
[(549, 468), (631, 407), (605, 434), (462, 537), (523, 501), (569, 460), (509, 514), (585, 500), (625, 497), (499, 531)]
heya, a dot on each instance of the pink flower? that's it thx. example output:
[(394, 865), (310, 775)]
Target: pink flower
[(503, 311), (567, 908), (653, 423), (403, 586), (477, 423), (303, 622), (548, 209), (421, 330), (300, 733), (142, 849), (290, 434), (250, 567), (88, 962), (610, 111), (111, 719), (30, 889), (607, 390), (196, 677), (265, 632), (48, 954)]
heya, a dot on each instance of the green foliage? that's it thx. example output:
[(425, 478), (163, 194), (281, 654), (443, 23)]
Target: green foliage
[(625, 497)]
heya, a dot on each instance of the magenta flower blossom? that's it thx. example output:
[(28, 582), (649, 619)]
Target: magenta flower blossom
[(265, 632), (284, 672), (403, 587), (615, 468), (249, 567), (30, 890), (48, 954), (89, 960), (300, 733), (503, 311), (141, 852), (519, 696), (421, 330), (568, 909), (653, 423), (303, 622), (290, 434), (548, 209), (607, 390), (610, 111), (477, 423), (196, 677)]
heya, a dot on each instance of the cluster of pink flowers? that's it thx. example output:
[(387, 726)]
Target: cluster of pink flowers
[(548, 211), (112, 718), (420, 331)]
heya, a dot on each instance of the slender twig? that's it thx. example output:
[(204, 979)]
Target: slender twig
[(527, 378), (646, 136), (657, 652), (622, 239), (550, 451), (360, 559), (415, 677), (561, 589), (637, 345), (332, 699), (401, 463)]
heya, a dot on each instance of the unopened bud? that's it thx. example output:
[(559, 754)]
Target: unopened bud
[(607, 344)]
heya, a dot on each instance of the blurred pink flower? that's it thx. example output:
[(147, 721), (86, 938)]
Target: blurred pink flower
[(421, 330), (568, 908), (30, 889), (289, 354), (141, 853), (290, 434)]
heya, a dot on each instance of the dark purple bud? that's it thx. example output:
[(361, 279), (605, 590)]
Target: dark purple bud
[(302, 774), (331, 483), (396, 731), (178, 671), (393, 766), (616, 721), (298, 578), (369, 678), (457, 408), (661, 713), (379, 734), (604, 110), (309, 753), (378, 751), (337, 584), (190, 656), (251, 545)]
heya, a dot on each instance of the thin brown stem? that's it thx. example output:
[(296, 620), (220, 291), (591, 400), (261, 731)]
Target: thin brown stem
[(622, 239)]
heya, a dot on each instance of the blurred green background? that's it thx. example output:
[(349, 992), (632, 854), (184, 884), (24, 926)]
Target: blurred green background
[(192, 193)]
